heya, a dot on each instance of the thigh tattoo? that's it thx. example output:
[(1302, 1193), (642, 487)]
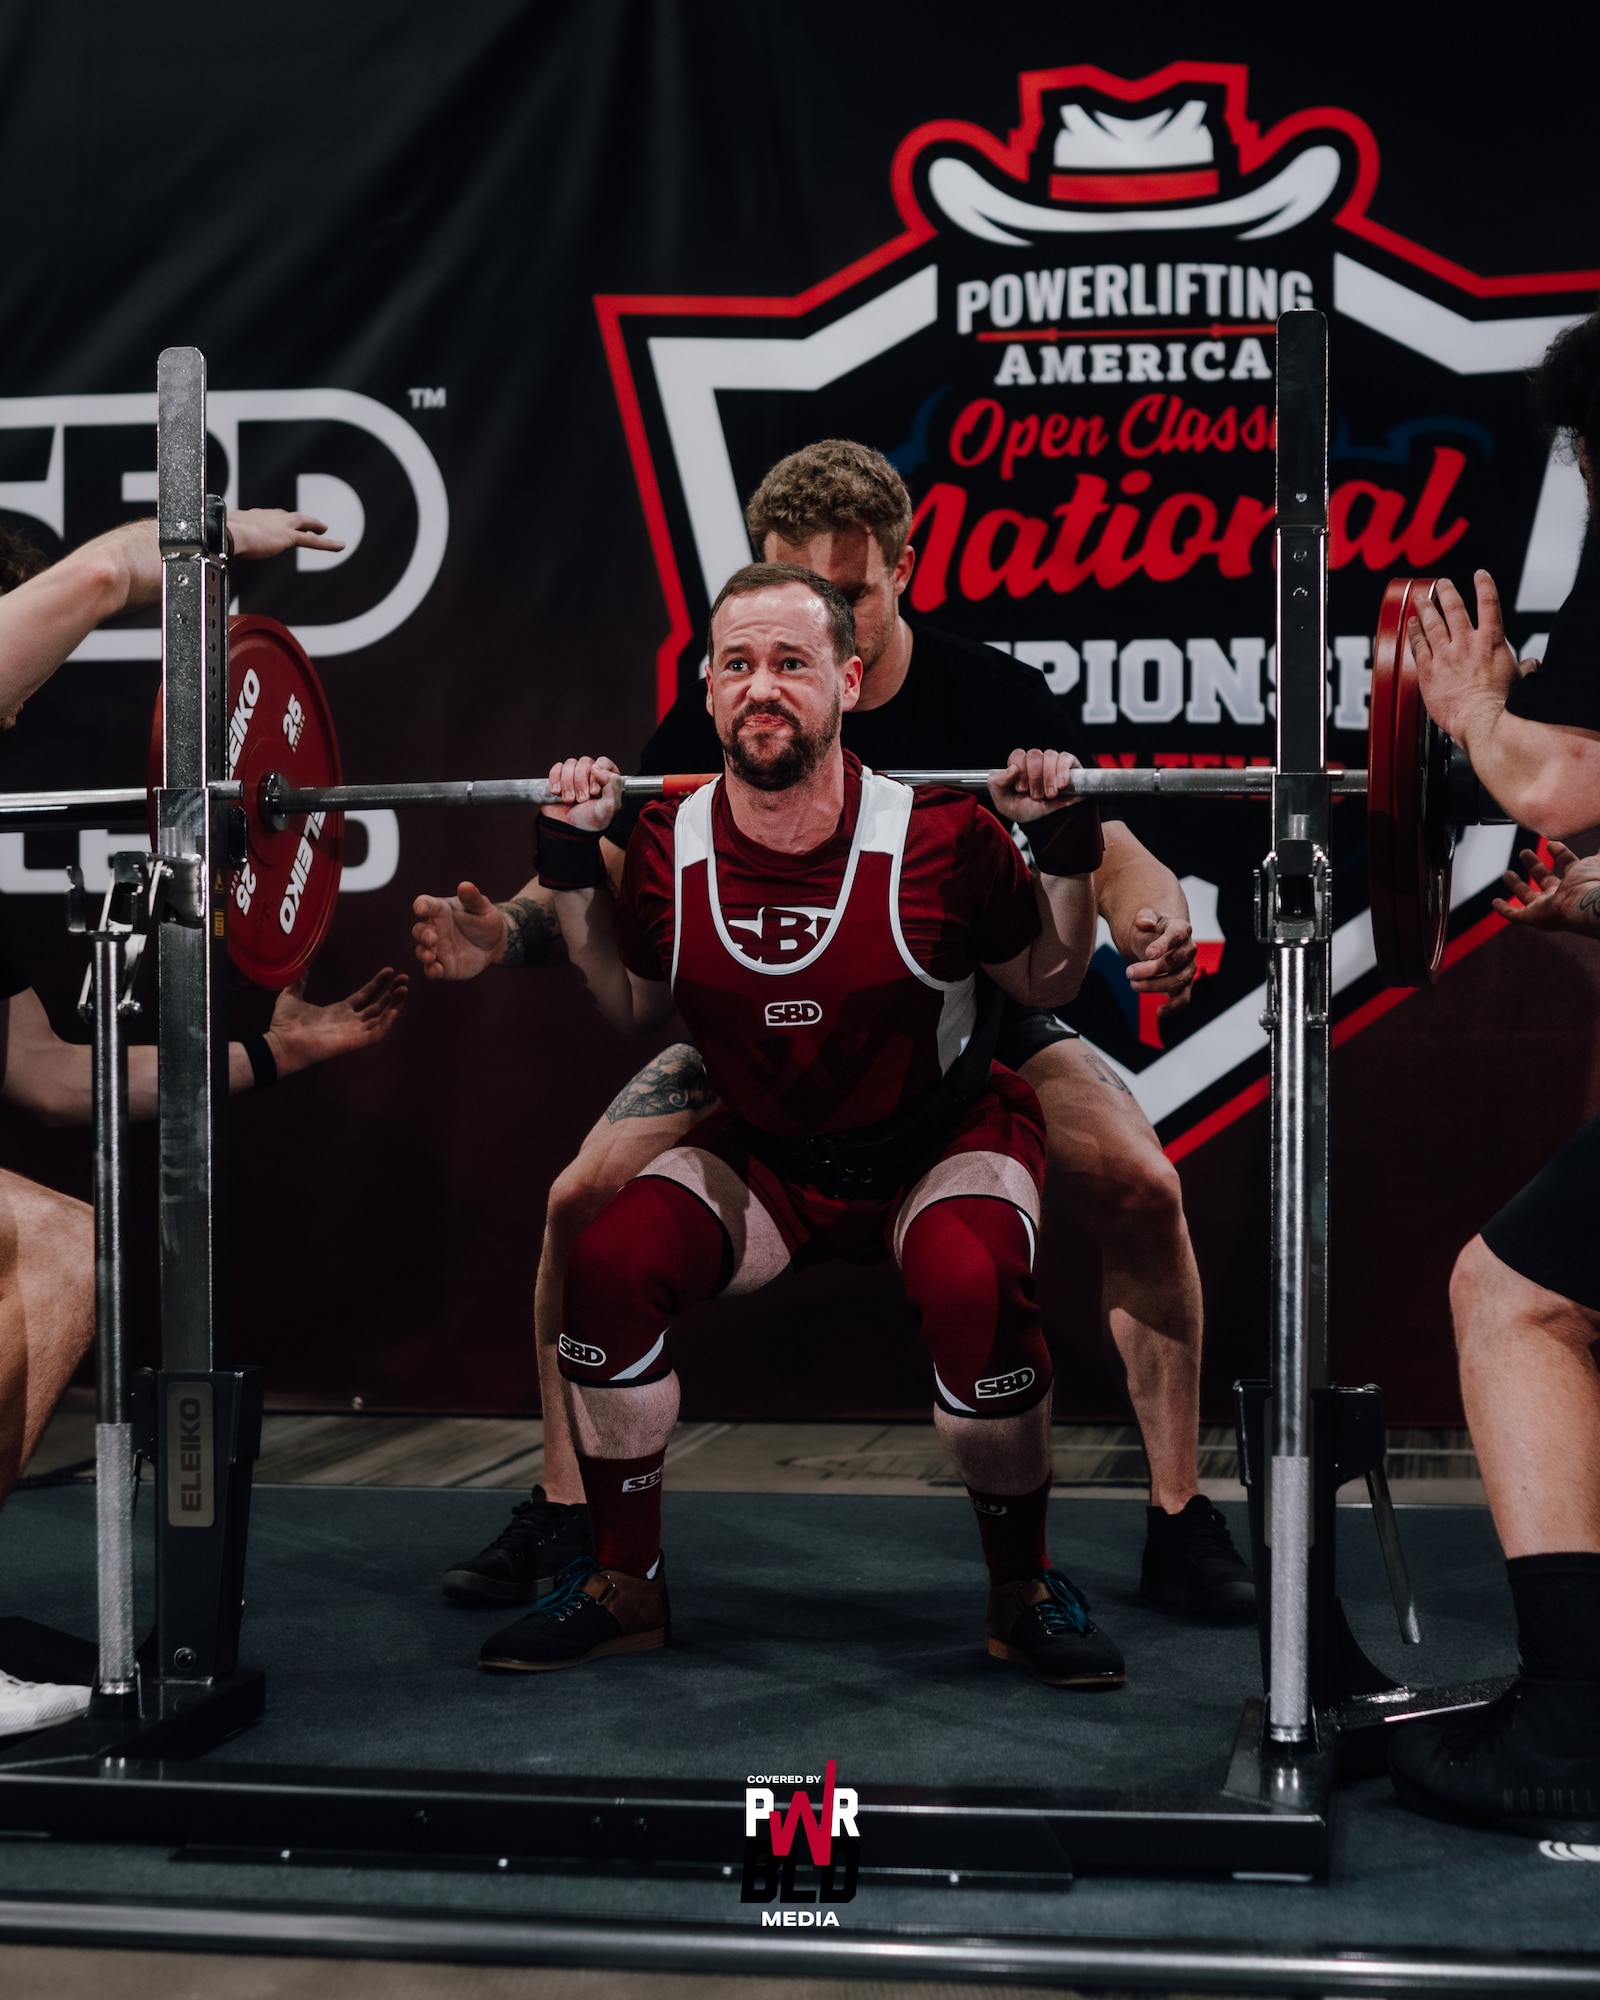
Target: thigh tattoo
[(1106, 1075), (674, 1081)]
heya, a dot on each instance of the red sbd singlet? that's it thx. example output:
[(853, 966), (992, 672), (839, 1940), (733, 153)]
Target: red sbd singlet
[(845, 1033)]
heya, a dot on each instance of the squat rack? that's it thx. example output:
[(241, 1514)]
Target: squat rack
[(134, 1767)]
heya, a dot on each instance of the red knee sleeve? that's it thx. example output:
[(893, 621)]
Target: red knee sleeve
[(968, 1271), (649, 1253)]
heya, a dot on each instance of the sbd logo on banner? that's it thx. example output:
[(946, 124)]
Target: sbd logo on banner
[(80, 462)]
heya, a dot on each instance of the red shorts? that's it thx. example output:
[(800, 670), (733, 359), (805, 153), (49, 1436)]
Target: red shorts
[(996, 1149)]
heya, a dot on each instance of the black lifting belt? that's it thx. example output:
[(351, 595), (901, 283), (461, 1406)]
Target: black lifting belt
[(871, 1161)]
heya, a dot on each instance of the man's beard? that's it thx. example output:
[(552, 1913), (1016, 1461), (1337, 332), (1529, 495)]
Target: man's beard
[(788, 761)]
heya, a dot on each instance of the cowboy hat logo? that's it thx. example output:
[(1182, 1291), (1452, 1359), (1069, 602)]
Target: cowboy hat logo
[(1114, 175)]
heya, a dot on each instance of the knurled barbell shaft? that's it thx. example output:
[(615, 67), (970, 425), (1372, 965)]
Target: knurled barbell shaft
[(117, 808), (120, 807), (284, 801), (124, 807)]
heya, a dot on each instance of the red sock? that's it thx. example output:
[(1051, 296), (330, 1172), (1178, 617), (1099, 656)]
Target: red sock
[(1012, 1526), (624, 1496)]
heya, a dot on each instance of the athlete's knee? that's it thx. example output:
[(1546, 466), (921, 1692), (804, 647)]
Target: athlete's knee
[(635, 1250), (48, 1246), (71, 1230), (67, 1219), (969, 1258), (1490, 1299), (1472, 1277), (1137, 1188), (648, 1254), (968, 1269), (615, 1298)]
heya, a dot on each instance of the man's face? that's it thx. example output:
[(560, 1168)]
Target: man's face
[(773, 687), (851, 559)]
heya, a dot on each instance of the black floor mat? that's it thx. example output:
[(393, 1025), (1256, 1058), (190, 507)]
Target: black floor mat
[(808, 1628)]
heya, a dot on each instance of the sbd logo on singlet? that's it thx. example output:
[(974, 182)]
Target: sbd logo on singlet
[(770, 1857), (792, 1013), (778, 936), (581, 1352)]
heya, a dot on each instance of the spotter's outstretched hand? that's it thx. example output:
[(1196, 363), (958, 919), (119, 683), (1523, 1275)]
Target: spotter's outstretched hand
[(1565, 896), (1166, 961), (261, 532), (1463, 668), (457, 937), (301, 1033)]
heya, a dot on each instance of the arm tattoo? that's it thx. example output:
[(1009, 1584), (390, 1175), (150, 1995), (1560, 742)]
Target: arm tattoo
[(674, 1082), (533, 935), (1588, 899)]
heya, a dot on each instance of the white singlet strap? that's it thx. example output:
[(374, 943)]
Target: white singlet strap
[(691, 842)]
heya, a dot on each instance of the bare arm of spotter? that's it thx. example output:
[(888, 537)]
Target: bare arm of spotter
[(1543, 774), (53, 1079), (49, 616), (1546, 775)]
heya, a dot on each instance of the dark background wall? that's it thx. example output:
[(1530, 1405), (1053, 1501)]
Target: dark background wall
[(380, 199)]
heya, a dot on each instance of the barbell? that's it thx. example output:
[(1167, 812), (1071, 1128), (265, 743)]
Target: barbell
[(286, 781)]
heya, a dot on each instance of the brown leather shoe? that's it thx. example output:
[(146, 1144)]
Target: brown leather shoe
[(1043, 1622), (590, 1613)]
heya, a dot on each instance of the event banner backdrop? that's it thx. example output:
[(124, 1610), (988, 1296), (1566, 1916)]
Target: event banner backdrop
[(525, 300)]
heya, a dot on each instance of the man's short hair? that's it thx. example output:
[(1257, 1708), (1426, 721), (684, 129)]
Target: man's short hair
[(1566, 383), (765, 575), (827, 486), (19, 559)]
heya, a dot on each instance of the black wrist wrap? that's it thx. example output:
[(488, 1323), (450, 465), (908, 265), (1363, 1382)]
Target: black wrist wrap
[(1068, 841), (567, 856), (263, 1064)]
